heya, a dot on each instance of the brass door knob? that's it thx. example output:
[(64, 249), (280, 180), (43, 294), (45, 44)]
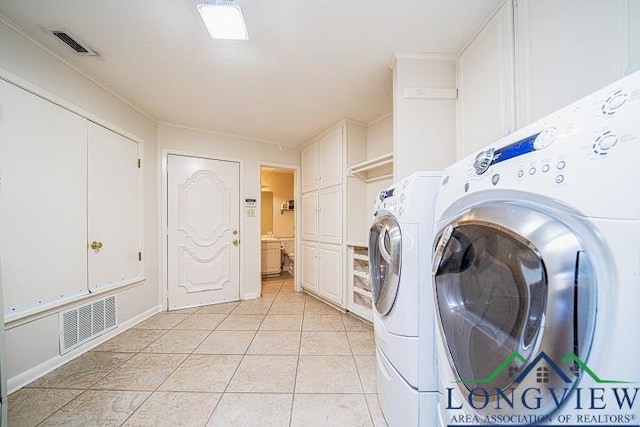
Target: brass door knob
[(96, 245), (235, 242)]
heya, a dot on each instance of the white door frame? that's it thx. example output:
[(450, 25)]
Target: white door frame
[(297, 194), (166, 152)]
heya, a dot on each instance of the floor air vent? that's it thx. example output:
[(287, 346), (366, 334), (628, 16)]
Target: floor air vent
[(85, 322), (72, 41)]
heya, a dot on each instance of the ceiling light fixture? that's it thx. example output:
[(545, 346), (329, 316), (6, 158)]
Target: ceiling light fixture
[(223, 19)]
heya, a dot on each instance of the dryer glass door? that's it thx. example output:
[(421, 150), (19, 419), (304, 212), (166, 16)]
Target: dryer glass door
[(506, 284), (385, 261)]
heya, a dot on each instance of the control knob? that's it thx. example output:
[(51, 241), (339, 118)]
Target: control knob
[(483, 161)]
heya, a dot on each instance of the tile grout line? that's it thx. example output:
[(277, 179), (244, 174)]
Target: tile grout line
[(353, 356), (84, 390), (162, 382), (176, 368), (238, 366), (295, 378)]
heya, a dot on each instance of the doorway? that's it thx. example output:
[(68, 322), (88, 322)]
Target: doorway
[(203, 226), (277, 223)]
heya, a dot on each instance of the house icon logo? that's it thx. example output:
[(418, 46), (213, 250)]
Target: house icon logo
[(544, 366)]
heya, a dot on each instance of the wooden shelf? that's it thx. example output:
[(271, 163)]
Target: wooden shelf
[(361, 257), (374, 169), (362, 292), (361, 275)]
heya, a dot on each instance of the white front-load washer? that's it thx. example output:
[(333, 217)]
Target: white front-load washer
[(536, 270), (400, 239)]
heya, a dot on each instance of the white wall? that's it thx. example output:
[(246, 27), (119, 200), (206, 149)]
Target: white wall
[(380, 137), (424, 128), (211, 144), (33, 348)]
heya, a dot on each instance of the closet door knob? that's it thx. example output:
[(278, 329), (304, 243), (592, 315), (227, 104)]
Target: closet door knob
[(96, 245)]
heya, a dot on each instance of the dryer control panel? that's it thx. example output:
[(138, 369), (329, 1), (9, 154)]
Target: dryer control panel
[(408, 199), (585, 155)]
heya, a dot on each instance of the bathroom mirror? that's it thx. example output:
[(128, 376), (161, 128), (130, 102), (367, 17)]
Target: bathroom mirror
[(266, 212)]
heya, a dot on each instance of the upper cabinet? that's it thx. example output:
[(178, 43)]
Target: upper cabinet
[(322, 164), (330, 166), (568, 49), (536, 56), (485, 110), (309, 175)]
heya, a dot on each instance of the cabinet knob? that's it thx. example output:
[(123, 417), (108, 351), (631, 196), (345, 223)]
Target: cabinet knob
[(96, 245), (235, 232), (235, 242)]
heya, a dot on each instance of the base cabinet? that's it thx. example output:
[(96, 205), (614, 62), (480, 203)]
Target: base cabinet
[(270, 258), (309, 265), (330, 277), (322, 271)]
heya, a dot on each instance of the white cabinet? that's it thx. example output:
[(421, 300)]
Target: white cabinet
[(330, 277), (309, 176), (309, 266), (322, 164), (66, 183), (114, 209), (330, 167), (270, 255), (485, 110), (330, 215), (324, 186), (568, 49), (310, 216)]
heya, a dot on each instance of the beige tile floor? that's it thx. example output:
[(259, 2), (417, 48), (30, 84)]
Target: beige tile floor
[(285, 359)]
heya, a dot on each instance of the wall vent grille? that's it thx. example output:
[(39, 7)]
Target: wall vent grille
[(85, 322)]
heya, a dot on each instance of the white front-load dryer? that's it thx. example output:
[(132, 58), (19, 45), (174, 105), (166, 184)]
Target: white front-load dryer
[(537, 271), (400, 239)]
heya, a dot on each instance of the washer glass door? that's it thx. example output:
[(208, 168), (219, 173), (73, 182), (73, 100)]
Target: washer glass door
[(506, 283), (385, 261)]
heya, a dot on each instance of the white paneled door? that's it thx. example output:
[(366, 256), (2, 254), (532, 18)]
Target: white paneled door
[(203, 218)]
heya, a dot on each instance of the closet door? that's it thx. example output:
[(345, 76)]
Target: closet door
[(43, 202), (113, 209)]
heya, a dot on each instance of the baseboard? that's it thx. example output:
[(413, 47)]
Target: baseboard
[(20, 380)]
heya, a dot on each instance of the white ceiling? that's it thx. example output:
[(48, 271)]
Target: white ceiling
[(306, 65)]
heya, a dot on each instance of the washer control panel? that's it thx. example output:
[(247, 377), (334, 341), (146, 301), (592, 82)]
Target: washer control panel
[(584, 154)]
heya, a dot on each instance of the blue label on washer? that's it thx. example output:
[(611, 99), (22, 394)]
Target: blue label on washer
[(516, 149)]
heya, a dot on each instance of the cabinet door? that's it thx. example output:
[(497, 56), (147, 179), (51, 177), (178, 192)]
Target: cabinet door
[(330, 168), (309, 167), (113, 208), (486, 85), (310, 216), (330, 215), (568, 49), (331, 280), (43, 201), (309, 266)]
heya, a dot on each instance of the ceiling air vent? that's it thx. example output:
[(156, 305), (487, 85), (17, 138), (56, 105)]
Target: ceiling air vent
[(72, 41)]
